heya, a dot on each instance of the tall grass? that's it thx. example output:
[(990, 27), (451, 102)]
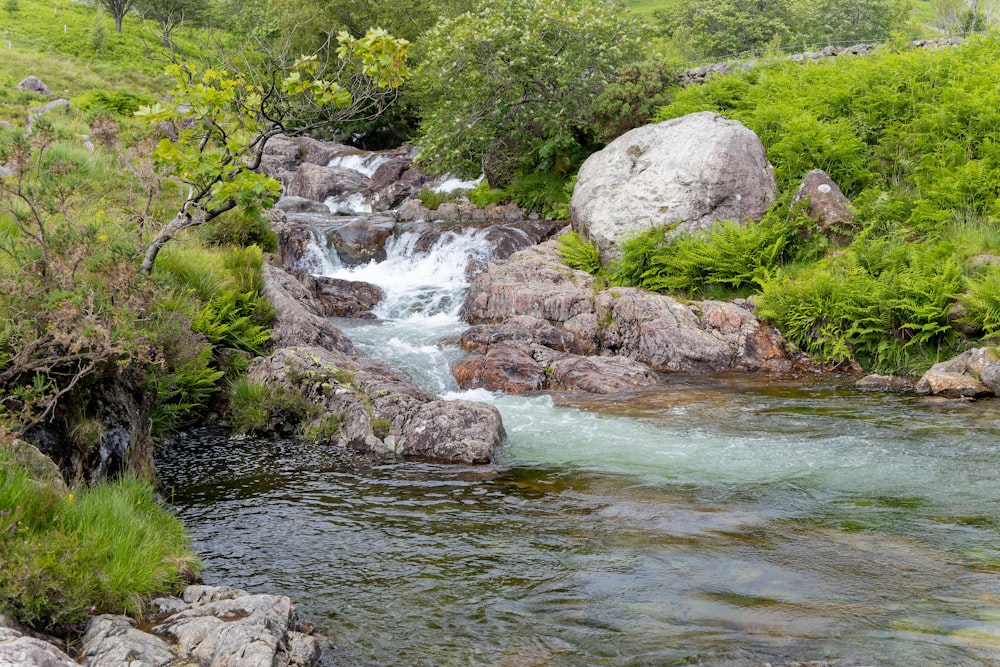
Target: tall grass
[(66, 557)]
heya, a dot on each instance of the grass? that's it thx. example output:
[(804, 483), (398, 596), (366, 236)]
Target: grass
[(68, 556)]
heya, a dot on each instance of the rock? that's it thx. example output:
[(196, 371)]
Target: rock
[(55, 105), (959, 320), (34, 84), (297, 318), (281, 158), (886, 383), (300, 205), (964, 376), (452, 432), (293, 239), (828, 206), (361, 241), (505, 367), (520, 328), (393, 194), (379, 410), (19, 650), (315, 182), (111, 641), (38, 464), (346, 298), (599, 375), (388, 173), (686, 173), (315, 151)]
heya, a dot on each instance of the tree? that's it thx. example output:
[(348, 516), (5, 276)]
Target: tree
[(118, 9), (168, 15), (963, 17), (718, 28), (224, 118), (509, 87), (854, 20)]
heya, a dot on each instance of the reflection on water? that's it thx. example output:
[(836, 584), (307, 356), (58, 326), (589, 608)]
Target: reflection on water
[(734, 542), (717, 521)]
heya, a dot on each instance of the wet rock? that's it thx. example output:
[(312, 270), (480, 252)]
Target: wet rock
[(505, 367), (378, 409), (20, 650), (293, 238), (832, 211), (300, 205), (111, 641), (281, 158), (317, 183), (452, 432), (346, 298), (964, 376), (886, 383), (388, 173), (598, 375), (520, 328), (297, 318), (361, 241), (686, 173), (397, 193), (33, 84)]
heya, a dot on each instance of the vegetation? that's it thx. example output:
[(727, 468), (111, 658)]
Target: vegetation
[(506, 90), (68, 555)]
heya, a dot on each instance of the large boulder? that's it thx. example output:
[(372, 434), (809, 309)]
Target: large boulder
[(363, 240), (297, 315), (346, 298), (686, 173), (21, 650), (316, 182)]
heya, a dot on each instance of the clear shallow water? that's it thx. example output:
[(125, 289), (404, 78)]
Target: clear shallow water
[(718, 521)]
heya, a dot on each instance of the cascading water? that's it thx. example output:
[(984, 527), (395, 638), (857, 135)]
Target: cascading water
[(717, 522)]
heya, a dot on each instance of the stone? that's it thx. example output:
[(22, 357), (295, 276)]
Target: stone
[(346, 298), (520, 328), (363, 240), (599, 375), (38, 464), (959, 377), (452, 432), (297, 318), (293, 239), (505, 367), (686, 174), (111, 641), (20, 650), (832, 211), (885, 383), (55, 105), (281, 158), (34, 84), (300, 205), (317, 183)]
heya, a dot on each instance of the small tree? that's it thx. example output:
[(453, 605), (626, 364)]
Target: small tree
[(168, 15), (963, 17), (224, 118), (511, 85), (118, 9)]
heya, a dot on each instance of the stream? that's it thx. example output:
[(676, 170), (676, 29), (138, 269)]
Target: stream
[(714, 521)]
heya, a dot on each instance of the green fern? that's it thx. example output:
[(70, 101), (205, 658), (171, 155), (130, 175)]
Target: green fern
[(229, 321), (982, 300), (578, 253)]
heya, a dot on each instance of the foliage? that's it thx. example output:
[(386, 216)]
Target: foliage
[(169, 15), (578, 253), (241, 229), (982, 301), (545, 193), (507, 88), (731, 255), (106, 549), (118, 9), (632, 98), (433, 199), (483, 195), (324, 429), (257, 408), (225, 117), (964, 17), (118, 102)]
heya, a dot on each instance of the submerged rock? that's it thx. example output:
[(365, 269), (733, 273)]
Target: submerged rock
[(363, 240), (886, 383), (686, 173)]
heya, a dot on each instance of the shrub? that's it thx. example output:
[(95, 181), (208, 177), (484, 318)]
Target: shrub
[(117, 102), (433, 199)]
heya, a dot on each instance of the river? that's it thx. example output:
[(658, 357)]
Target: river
[(715, 521)]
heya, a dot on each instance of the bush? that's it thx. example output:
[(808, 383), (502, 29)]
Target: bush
[(106, 549)]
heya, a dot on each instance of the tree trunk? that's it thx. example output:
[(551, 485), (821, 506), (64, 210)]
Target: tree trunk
[(118, 22), (179, 223)]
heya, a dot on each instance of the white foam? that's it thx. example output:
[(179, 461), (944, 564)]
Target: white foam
[(453, 184), (355, 203), (363, 162)]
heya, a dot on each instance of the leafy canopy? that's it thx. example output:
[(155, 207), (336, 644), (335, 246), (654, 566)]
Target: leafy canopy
[(509, 87)]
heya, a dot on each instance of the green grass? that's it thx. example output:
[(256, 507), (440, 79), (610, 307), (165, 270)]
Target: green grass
[(105, 549)]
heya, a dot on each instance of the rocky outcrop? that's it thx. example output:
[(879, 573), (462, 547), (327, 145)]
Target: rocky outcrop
[(542, 317), (209, 627), (345, 298), (364, 405), (34, 84), (20, 650), (827, 205), (300, 205), (973, 374), (462, 211), (317, 183), (685, 174)]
